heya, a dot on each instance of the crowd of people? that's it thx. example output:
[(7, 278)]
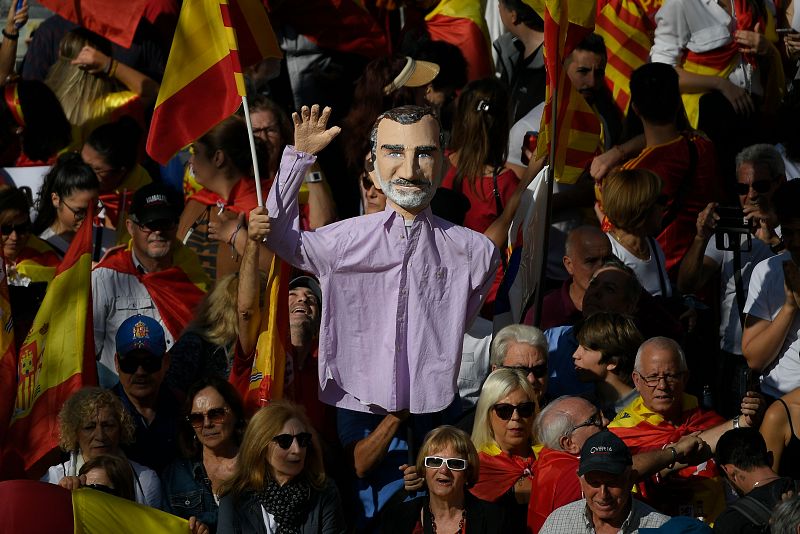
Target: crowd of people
[(658, 387)]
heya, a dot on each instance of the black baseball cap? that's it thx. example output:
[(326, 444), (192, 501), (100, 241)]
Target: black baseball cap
[(606, 453), (155, 202), (310, 283)]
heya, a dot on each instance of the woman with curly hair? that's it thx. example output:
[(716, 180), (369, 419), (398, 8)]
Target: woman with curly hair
[(93, 422), (279, 484)]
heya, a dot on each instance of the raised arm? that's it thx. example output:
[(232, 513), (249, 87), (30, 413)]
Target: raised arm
[(97, 63), (8, 50), (696, 268)]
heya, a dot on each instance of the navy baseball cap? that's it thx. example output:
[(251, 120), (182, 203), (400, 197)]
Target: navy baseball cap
[(606, 453), (140, 332), (310, 283)]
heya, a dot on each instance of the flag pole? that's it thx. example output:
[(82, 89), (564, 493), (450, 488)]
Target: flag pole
[(252, 140)]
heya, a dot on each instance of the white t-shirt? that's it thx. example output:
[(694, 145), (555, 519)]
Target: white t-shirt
[(730, 328), (651, 272), (765, 298)]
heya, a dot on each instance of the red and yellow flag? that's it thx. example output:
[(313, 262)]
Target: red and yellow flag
[(8, 355), (461, 23), (116, 21), (628, 32), (203, 81), (56, 358), (578, 131)]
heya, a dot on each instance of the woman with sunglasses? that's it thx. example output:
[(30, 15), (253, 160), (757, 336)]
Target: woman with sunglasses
[(449, 462), (634, 205), (93, 422), (279, 484), (68, 189), (503, 435), (209, 441)]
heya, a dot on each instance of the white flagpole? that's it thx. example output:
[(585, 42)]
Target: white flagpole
[(253, 151)]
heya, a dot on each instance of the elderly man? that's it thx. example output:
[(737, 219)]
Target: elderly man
[(399, 289), (563, 426), (605, 475), (155, 276), (662, 415)]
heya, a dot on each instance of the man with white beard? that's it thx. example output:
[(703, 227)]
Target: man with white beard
[(399, 287)]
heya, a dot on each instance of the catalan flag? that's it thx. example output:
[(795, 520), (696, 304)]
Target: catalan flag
[(56, 358), (578, 131), (628, 32), (203, 82), (461, 23), (116, 21), (263, 381)]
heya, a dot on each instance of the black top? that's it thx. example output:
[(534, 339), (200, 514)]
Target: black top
[(790, 459), (731, 521), (482, 517)]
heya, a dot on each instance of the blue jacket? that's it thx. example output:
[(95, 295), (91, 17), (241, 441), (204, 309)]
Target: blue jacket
[(187, 492)]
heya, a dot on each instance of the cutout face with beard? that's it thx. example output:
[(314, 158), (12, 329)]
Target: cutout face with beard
[(408, 164)]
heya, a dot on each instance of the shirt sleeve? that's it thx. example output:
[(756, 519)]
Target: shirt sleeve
[(485, 260), (672, 33), (765, 293), (99, 309)]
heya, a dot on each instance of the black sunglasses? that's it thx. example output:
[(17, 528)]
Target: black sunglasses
[(215, 416), (284, 441), (505, 411), (22, 228), (129, 365), (159, 225), (759, 186), (595, 420), (537, 370)]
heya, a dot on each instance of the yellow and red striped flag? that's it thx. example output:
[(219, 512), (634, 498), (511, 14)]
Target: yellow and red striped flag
[(56, 359), (203, 81), (578, 131), (628, 32), (8, 354)]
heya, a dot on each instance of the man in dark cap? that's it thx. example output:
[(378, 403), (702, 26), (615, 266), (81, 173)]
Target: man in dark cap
[(154, 276)]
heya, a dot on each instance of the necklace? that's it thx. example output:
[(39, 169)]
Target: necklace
[(460, 523), (757, 483)]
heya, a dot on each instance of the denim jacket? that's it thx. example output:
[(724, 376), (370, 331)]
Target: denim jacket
[(187, 492)]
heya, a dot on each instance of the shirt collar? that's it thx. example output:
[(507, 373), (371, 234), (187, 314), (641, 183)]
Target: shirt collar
[(390, 215), (587, 517)]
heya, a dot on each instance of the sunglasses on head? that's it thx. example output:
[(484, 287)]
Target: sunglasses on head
[(537, 370), (130, 364), (215, 416), (505, 411), (284, 441), (453, 464), (22, 228), (595, 420), (759, 186)]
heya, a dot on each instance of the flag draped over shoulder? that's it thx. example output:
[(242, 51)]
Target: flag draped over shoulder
[(627, 31), (578, 131), (261, 379), (56, 359), (116, 21), (203, 81)]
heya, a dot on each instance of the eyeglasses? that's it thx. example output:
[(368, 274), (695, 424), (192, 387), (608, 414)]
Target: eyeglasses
[(453, 464), (215, 416), (160, 225), (79, 213), (505, 411), (129, 365), (284, 441), (537, 370), (654, 380), (759, 186), (595, 420), (22, 228)]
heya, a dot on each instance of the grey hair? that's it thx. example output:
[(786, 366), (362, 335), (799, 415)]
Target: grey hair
[(663, 343), (515, 333), (786, 516), (404, 115), (499, 384), (552, 423), (763, 154)]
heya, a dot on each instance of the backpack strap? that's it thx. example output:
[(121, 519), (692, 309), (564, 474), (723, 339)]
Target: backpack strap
[(753, 510)]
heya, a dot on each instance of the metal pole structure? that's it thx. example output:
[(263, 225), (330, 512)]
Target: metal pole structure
[(253, 151)]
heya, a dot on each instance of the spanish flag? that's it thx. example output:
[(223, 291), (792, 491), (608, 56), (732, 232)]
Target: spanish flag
[(461, 23), (262, 381), (578, 130), (628, 32), (203, 81), (8, 356), (56, 359)]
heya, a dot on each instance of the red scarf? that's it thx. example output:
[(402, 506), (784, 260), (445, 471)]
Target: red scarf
[(499, 472), (243, 197), (746, 19), (176, 291), (555, 482)]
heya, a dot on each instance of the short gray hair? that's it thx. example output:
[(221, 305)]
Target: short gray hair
[(663, 343), (552, 423), (786, 516), (763, 154), (515, 333), (404, 115)]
